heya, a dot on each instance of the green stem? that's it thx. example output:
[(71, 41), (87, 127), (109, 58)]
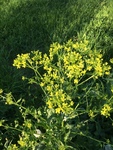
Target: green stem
[(86, 80), (81, 134), (8, 127)]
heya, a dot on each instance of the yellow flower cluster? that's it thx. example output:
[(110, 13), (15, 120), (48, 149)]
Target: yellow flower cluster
[(21, 60), (59, 101), (91, 114), (64, 68), (27, 123), (21, 142), (106, 110), (28, 60), (9, 99), (12, 146)]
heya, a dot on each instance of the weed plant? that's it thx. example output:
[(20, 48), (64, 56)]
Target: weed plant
[(66, 94), (74, 96)]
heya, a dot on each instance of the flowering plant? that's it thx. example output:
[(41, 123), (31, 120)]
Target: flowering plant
[(72, 80)]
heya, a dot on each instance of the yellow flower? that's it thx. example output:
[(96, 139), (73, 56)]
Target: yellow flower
[(1, 91), (21, 60), (49, 70), (111, 60), (91, 114), (106, 110), (71, 103), (75, 46), (75, 81), (14, 147), (9, 99), (50, 105), (49, 88), (62, 80), (107, 72), (42, 84), (1, 122), (28, 124), (23, 78), (21, 143), (58, 110), (112, 89)]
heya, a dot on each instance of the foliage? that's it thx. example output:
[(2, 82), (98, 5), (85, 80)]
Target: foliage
[(66, 94), (71, 77), (100, 29)]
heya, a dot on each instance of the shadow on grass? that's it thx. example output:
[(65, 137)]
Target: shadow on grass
[(35, 24)]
